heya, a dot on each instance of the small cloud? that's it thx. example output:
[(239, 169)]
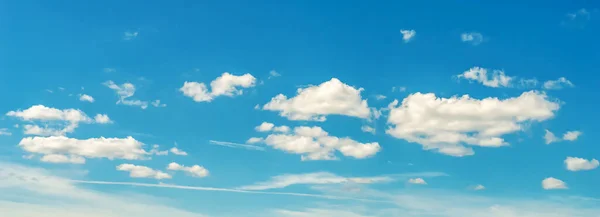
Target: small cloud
[(238, 145), (578, 164), (368, 129), (254, 140), (4, 132), (577, 18), (480, 75), (549, 137), (177, 151), (130, 35), (86, 98), (551, 183), (408, 35), (380, 97), (571, 135), (399, 89), (478, 187), (273, 74), (417, 181), (474, 38), (102, 119), (156, 103), (558, 84), (194, 171)]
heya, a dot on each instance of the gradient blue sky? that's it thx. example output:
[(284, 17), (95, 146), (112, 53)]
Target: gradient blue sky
[(53, 52)]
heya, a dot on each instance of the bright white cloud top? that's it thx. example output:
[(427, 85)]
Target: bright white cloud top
[(136, 171), (448, 124), (552, 183), (57, 122), (314, 103), (194, 171), (497, 79), (579, 164), (225, 85), (86, 98), (408, 35)]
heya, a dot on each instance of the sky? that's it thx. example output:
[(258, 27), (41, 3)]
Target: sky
[(299, 108)]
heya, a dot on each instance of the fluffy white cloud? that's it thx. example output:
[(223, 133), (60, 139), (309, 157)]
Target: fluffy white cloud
[(125, 91), (102, 119), (316, 102), (136, 171), (553, 183), (111, 148), (408, 34), (59, 158), (318, 178), (417, 181), (254, 140), (474, 38), (496, 79), (313, 143), (367, 129), (571, 135), (4, 132), (266, 127), (177, 151), (194, 171), (61, 121), (225, 85), (549, 137), (86, 98), (446, 124), (558, 84), (578, 164)]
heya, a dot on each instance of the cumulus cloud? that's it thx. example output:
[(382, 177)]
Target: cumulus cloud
[(86, 98), (194, 171), (551, 183), (177, 151), (57, 121), (367, 129), (571, 135), (313, 143), (155, 151), (224, 85), (5, 132), (447, 124), (558, 84), (254, 140), (111, 148), (417, 181), (266, 127), (380, 97), (549, 137), (318, 178), (59, 158), (480, 75), (408, 35), (474, 38), (314, 103), (578, 164), (136, 171), (102, 119), (157, 103), (126, 91), (273, 74)]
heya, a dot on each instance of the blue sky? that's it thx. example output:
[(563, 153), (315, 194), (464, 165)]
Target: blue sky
[(302, 108)]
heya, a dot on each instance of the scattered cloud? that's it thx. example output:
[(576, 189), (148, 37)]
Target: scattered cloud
[(314, 103), (266, 127), (102, 119), (125, 91), (579, 164), (225, 85), (59, 158), (155, 151), (61, 121), (318, 178), (111, 148), (408, 35), (238, 145), (399, 89), (86, 98), (156, 103), (417, 181), (380, 97), (5, 132), (254, 140), (273, 74), (478, 187), (130, 35), (558, 84), (474, 38), (551, 183), (446, 124), (136, 171), (313, 143), (176, 151), (571, 135), (368, 129), (549, 137), (480, 75), (194, 171)]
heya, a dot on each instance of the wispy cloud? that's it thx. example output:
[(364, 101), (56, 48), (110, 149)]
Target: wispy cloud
[(473, 38), (130, 35), (237, 145)]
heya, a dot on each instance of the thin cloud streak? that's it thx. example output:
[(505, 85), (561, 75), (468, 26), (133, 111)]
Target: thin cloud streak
[(236, 145)]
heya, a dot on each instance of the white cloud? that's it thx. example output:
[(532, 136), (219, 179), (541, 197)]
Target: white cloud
[(59, 158), (62, 121), (238, 145), (474, 38), (266, 127), (225, 85), (194, 171), (408, 35), (130, 35), (313, 143), (43, 131), (571, 135), (273, 74), (367, 129), (111, 148), (102, 119), (417, 181), (549, 137), (156, 103), (446, 124), (478, 74), (177, 151), (86, 98), (125, 91), (4, 132), (578, 164), (553, 183), (380, 97), (558, 84), (314, 103), (155, 151), (399, 89), (318, 178), (136, 171), (479, 187)]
